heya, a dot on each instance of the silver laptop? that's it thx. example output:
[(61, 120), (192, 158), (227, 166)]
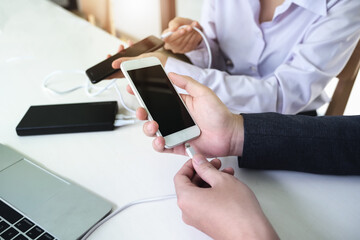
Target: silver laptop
[(37, 204)]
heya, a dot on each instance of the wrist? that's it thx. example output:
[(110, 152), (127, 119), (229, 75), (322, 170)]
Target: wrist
[(254, 227), (162, 57), (237, 138), (259, 229)]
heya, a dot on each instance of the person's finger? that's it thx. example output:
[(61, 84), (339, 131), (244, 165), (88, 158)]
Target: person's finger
[(182, 178), (159, 145), (141, 114), (129, 89), (121, 47), (150, 128), (174, 24), (229, 170), (117, 62), (206, 170), (185, 43), (193, 42), (216, 163), (197, 25), (194, 88), (197, 180), (175, 38), (188, 28)]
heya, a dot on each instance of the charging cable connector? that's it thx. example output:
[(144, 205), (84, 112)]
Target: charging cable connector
[(123, 120), (189, 150)]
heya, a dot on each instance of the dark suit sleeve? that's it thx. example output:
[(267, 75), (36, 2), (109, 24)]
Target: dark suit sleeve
[(325, 145)]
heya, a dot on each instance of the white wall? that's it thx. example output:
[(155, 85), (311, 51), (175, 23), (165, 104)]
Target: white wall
[(141, 18), (137, 18), (189, 8)]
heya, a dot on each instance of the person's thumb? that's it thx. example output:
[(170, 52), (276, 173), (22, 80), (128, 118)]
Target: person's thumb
[(174, 25), (205, 169)]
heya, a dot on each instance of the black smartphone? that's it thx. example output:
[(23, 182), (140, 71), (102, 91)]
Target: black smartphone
[(68, 118), (104, 69)]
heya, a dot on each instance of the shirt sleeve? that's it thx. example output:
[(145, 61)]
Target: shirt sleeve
[(324, 145), (295, 84), (200, 56)]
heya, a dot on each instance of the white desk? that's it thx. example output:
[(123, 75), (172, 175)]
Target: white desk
[(37, 38)]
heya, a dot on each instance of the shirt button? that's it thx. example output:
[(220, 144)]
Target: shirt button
[(253, 69), (229, 63)]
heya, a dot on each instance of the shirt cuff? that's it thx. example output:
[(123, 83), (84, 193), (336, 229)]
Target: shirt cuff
[(199, 56), (183, 68)]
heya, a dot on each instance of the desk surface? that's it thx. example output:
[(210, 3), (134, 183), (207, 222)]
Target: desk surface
[(37, 38)]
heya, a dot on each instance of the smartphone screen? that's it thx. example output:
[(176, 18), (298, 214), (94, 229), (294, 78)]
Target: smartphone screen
[(161, 99), (104, 69)]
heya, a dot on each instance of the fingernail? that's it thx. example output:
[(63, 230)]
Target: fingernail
[(199, 159)]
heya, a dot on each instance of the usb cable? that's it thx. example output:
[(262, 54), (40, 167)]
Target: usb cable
[(189, 150)]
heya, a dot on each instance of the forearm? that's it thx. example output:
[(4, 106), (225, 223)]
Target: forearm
[(325, 145), (239, 93)]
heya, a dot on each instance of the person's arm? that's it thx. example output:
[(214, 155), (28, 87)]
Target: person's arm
[(200, 56), (324, 145), (182, 39), (328, 145), (295, 84), (221, 131), (233, 212)]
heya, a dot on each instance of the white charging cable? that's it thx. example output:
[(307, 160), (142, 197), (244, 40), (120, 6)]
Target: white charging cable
[(189, 150), (50, 76), (122, 120), (167, 34), (90, 89), (111, 215)]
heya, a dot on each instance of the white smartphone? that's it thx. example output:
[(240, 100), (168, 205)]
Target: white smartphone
[(157, 95)]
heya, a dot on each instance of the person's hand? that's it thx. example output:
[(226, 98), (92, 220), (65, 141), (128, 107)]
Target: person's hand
[(121, 48), (185, 39), (116, 63), (221, 131), (118, 74), (162, 57), (227, 209)]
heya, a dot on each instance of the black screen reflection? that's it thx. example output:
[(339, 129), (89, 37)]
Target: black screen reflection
[(161, 99)]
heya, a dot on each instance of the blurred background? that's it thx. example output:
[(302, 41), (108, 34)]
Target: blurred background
[(135, 19)]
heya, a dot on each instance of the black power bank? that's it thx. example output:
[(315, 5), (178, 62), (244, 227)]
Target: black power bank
[(68, 118)]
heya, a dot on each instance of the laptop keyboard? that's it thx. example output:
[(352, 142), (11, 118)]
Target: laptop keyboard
[(15, 226)]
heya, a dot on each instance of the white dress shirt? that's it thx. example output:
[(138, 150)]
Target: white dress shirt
[(278, 66)]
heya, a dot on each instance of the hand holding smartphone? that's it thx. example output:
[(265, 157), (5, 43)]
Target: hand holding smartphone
[(158, 97), (104, 69)]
